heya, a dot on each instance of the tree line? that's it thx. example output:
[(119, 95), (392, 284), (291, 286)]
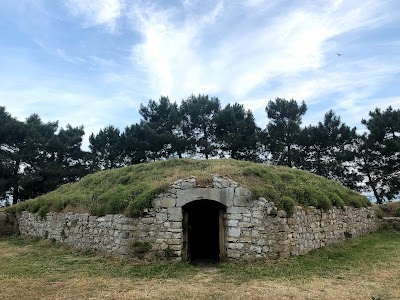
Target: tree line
[(37, 157)]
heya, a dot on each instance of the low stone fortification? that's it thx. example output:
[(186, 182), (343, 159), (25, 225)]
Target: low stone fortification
[(110, 234), (250, 234), (251, 228), (313, 228)]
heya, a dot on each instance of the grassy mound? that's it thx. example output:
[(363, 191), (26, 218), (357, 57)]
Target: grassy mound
[(129, 190)]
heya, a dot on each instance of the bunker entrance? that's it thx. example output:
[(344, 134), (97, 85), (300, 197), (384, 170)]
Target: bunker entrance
[(203, 226)]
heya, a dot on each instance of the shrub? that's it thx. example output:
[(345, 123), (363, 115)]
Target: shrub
[(356, 202), (310, 197), (143, 200), (300, 195), (169, 253), (378, 211), (58, 204), (288, 204), (336, 200), (140, 249), (268, 192), (43, 211), (324, 202)]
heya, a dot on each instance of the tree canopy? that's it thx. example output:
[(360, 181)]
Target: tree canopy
[(36, 157), (283, 130)]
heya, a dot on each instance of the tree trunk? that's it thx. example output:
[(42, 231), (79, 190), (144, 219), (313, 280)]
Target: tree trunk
[(15, 182), (371, 183), (288, 156)]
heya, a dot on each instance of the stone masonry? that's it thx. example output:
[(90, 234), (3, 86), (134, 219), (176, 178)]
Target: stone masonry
[(254, 228)]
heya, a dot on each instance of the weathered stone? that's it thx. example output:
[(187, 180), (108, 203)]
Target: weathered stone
[(233, 253), (236, 210), (188, 184), (233, 231), (223, 196), (242, 197), (254, 230), (161, 218), (167, 202), (233, 223)]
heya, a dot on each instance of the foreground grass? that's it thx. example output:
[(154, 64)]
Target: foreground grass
[(361, 268), (128, 190)]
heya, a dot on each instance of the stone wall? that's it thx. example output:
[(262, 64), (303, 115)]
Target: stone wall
[(253, 228), (260, 231), (109, 234), (313, 228)]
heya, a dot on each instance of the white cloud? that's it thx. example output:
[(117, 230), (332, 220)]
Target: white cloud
[(170, 50), (98, 12), (241, 51), (218, 53)]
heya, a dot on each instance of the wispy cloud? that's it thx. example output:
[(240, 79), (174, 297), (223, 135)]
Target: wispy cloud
[(182, 56), (241, 51), (99, 12)]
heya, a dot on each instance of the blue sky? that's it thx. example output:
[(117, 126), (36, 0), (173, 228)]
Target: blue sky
[(93, 63)]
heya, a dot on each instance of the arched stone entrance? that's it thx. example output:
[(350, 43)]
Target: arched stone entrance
[(203, 231)]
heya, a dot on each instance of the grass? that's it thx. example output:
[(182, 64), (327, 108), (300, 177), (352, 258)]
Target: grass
[(360, 268), (128, 190)]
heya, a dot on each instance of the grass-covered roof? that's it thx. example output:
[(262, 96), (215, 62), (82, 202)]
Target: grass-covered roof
[(130, 189)]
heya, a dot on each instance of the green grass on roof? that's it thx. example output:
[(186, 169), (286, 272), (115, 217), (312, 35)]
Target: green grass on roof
[(130, 189)]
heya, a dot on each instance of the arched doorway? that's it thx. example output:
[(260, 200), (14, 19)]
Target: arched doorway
[(203, 231)]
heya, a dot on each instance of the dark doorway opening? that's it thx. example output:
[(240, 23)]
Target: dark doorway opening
[(203, 232)]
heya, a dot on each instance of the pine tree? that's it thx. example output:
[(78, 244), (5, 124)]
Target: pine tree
[(237, 132), (283, 130)]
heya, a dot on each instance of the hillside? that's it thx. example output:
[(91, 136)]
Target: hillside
[(130, 189)]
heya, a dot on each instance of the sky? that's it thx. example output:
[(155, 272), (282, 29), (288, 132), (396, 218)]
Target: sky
[(92, 63)]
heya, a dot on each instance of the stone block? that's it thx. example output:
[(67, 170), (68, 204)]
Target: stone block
[(256, 249), (167, 202), (236, 217), (177, 235), (147, 220), (231, 253), (238, 246), (230, 239), (175, 214), (242, 197), (233, 231), (245, 239), (161, 218), (177, 248), (246, 225), (188, 184), (176, 225), (281, 214), (224, 196), (174, 241), (233, 223), (237, 210)]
